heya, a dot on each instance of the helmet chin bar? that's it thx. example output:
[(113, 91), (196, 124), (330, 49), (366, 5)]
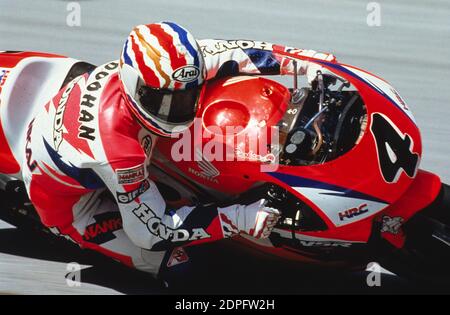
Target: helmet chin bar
[(166, 133)]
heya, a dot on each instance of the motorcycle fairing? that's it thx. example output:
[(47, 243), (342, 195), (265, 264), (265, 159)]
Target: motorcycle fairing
[(355, 178), (346, 192), (33, 78), (359, 170)]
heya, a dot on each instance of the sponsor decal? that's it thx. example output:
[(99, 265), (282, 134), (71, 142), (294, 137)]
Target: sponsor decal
[(251, 156), (3, 76), (90, 100), (146, 144), (207, 170), (177, 257), (296, 51), (186, 74), (102, 230), (391, 224), (222, 46), (131, 175), (353, 212), (399, 99), (311, 241), (32, 164), (128, 197), (59, 116), (324, 244), (159, 229), (307, 53), (332, 199)]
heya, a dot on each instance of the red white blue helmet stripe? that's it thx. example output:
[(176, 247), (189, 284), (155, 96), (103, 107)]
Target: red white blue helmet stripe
[(158, 50), (160, 56)]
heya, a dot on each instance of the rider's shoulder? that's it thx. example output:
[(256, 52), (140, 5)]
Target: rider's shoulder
[(120, 135), (98, 77), (108, 67)]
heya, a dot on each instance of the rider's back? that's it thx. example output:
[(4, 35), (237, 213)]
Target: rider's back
[(76, 141)]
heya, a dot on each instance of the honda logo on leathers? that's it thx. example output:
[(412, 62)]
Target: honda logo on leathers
[(157, 228)]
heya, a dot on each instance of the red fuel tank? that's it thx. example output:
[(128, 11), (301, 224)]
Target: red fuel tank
[(235, 119)]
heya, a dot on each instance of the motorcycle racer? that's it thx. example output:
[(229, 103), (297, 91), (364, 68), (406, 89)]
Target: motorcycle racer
[(95, 138)]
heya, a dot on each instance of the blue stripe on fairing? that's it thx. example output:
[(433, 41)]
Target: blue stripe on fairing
[(372, 85), (86, 177), (301, 182), (126, 57), (263, 60)]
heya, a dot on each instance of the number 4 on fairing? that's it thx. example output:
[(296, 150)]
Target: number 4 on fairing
[(394, 149)]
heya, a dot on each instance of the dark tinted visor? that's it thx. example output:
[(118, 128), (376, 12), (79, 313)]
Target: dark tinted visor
[(176, 107)]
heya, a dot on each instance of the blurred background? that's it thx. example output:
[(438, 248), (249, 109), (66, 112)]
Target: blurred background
[(406, 42), (410, 48)]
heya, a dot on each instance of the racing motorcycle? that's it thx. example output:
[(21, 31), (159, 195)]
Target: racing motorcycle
[(343, 168)]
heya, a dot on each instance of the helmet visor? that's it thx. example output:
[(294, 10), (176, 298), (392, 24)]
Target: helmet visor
[(176, 107)]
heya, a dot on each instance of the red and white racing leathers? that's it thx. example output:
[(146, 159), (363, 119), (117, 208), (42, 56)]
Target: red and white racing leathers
[(85, 142)]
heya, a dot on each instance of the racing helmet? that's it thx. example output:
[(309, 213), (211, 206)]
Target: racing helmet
[(162, 73)]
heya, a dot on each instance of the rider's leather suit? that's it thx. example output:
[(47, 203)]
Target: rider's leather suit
[(85, 142)]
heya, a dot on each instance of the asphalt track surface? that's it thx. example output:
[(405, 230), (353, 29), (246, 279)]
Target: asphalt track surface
[(410, 49)]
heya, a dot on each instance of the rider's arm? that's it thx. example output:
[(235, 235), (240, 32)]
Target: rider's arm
[(151, 225), (234, 57)]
